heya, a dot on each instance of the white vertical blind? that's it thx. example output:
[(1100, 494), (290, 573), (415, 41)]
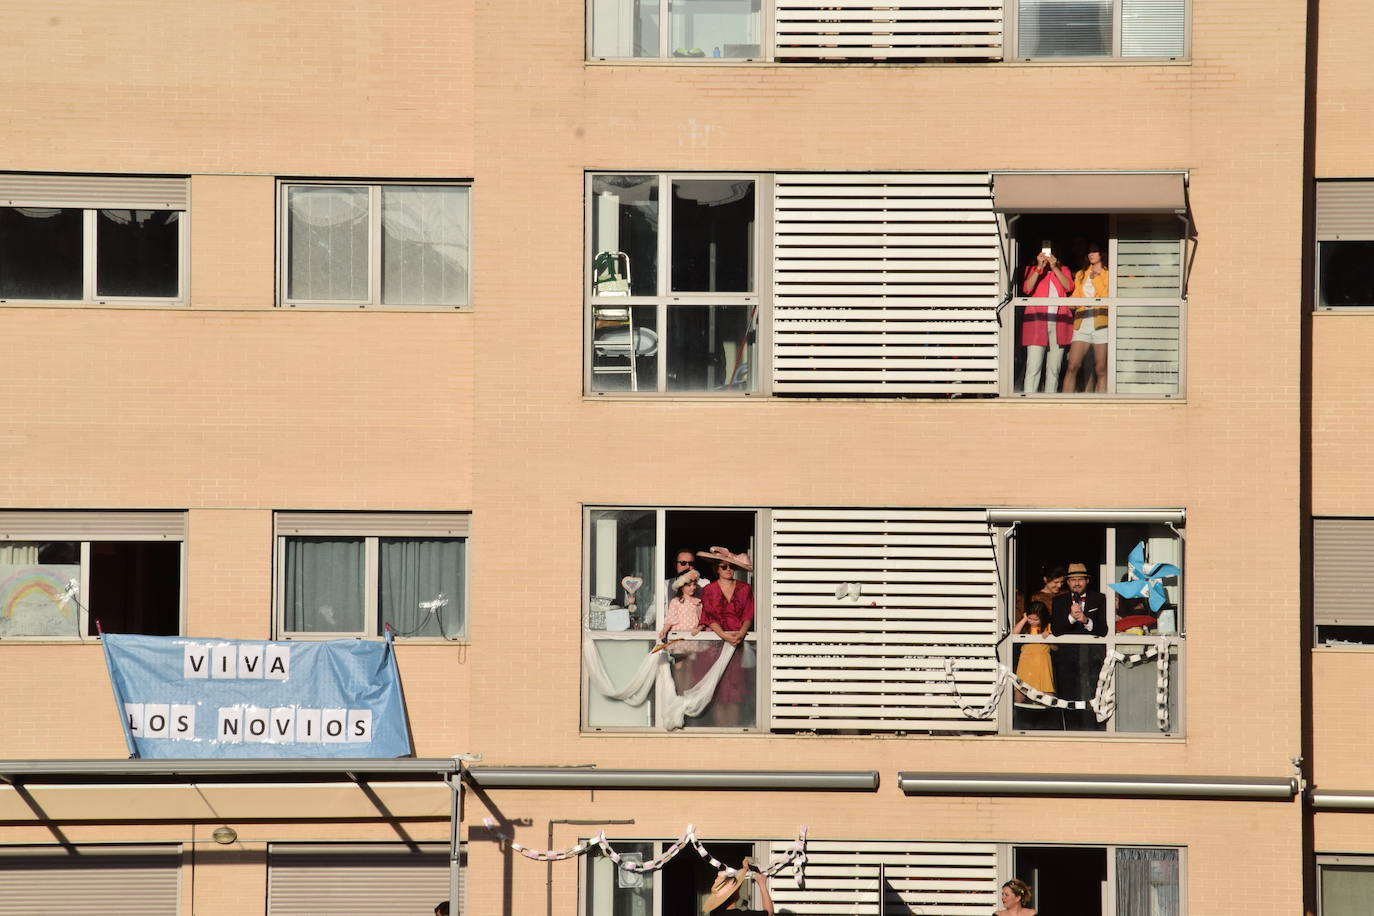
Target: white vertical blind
[(932, 879), (112, 881), (1153, 28), (894, 30), (885, 284), (927, 590)]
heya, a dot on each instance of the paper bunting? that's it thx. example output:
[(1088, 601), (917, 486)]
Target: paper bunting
[(1103, 703), (795, 857)]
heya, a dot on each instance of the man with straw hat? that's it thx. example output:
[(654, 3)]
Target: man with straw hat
[(724, 896)]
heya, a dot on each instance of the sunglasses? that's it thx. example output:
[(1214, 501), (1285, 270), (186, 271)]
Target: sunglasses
[(684, 562)]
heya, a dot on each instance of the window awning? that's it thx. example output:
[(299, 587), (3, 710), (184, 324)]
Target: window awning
[(1089, 192)]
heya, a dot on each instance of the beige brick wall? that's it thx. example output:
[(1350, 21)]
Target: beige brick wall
[(231, 408)]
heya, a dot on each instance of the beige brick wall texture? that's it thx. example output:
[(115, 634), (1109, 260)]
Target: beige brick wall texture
[(230, 408)]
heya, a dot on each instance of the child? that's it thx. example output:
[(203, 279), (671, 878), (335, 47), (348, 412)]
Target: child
[(1034, 665)]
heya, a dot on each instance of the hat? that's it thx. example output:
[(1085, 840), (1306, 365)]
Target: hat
[(721, 555), (725, 887), (1076, 569), (690, 575)]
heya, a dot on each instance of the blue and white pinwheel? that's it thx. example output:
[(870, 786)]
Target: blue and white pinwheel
[(1145, 581)]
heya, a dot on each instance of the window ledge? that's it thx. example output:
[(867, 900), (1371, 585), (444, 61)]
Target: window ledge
[(895, 65), (895, 400), (1343, 310), (368, 307), (112, 304), (1354, 649)]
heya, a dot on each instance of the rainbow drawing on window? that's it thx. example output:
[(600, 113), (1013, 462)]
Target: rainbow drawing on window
[(34, 600)]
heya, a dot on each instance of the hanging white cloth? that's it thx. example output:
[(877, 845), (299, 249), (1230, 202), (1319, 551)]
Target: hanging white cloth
[(655, 675)]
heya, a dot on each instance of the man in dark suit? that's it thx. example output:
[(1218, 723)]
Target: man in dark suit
[(1079, 612)]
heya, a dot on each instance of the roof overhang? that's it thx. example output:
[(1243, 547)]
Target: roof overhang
[(1090, 192)]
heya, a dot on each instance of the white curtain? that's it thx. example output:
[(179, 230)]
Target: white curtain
[(324, 585), (424, 246), (16, 554), (655, 675), (1147, 882), (327, 240), (416, 570)]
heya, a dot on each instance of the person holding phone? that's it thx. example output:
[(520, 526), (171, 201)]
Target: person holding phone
[(1090, 322), (1045, 330)]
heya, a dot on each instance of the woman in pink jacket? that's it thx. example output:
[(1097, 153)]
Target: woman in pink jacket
[(1045, 327)]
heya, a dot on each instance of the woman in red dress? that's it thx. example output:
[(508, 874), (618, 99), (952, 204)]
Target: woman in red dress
[(727, 608)]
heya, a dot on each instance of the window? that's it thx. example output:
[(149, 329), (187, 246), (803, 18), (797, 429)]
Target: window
[(677, 29), (130, 880), (673, 289), (1056, 558), (1121, 269), (895, 876), (62, 572), (374, 244), (1142, 881), (696, 680), (1347, 884), (345, 574), (969, 31), (1342, 604), (74, 238), (1102, 28), (1345, 244), (380, 879)]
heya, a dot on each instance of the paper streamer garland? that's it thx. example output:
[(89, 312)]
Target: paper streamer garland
[(794, 857), (1103, 703)]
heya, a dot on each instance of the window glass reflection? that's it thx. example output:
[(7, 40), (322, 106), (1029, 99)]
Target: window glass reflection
[(40, 253), (713, 235), (137, 253), (625, 235)]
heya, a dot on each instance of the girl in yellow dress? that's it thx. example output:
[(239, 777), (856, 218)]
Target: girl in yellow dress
[(1034, 665)]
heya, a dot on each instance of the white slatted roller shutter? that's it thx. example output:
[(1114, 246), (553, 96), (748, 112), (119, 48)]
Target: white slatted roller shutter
[(885, 284), (119, 192), (932, 879), (840, 30), (355, 879), (928, 591), (112, 881), (1341, 548), (1154, 28)]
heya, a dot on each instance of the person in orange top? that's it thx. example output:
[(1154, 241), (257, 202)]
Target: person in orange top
[(1090, 322)]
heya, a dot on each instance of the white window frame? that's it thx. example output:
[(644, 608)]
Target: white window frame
[(371, 530), (89, 259), (1007, 857), (1017, 301), (758, 299), (80, 528), (757, 635), (374, 244), (1128, 644), (767, 40), (1012, 40)]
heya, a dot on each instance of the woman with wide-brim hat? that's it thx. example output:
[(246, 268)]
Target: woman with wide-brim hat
[(724, 896), (727, 609)]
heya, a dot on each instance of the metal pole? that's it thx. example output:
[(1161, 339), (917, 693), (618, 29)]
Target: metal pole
[(455, 844)]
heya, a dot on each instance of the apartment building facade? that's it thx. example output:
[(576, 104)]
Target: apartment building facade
[(322, 312)]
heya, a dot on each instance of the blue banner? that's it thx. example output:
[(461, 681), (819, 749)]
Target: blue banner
[(184, 697)]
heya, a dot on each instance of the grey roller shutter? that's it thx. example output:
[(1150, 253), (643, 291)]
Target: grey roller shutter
[(356, 879), (124, 192), (92, 525), (1345, 210), (839, 30), (934, 879), (885, 284), (379, 524), (1341, 551), (926, 590), (111, 881)]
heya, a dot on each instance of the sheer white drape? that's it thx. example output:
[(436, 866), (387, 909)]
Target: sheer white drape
[(424, 246), (655, 675), (327, 239), (324, 585), (415, 570), (1147, 882), (17, 554)]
